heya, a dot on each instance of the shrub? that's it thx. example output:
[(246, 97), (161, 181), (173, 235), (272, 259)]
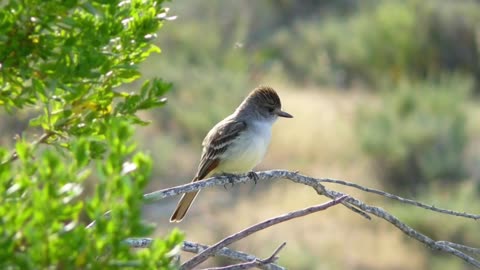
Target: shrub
[(64, 61), (381, 41), (398, 40), (418, 135)]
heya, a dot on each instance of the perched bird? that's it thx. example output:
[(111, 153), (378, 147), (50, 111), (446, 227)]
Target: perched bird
[(237, 143)]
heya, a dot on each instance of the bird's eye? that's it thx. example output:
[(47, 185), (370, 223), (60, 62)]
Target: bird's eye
[(271, 109)]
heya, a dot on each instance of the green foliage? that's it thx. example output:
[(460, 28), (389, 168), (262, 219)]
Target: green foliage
[(398, 40), (389, 40), (418, 135), (71, 55), (65, 60), (43, 203)]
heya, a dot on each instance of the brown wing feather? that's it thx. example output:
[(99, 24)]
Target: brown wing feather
[(216, 143)]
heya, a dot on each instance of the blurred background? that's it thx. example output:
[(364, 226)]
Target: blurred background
[(385, 94)]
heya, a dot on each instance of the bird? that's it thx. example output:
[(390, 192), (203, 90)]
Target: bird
[(237, 143)]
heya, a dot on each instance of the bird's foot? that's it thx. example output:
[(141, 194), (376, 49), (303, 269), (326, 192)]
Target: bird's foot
[(253, 175), (230, 177)]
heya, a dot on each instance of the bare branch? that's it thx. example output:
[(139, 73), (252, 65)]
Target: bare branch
[(106, 216), (351, 203), (198, 248), (274, 257), (400, 199), (42, 139), (257, 227), (223, 180), (406, 229), (254, 263), (138, 242), (229, 253), (460, 247), (314, 183), (296, 177), (193, 186)]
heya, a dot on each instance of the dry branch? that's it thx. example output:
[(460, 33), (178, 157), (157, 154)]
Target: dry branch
[(197, 248), (460, 247), (198, 259), (351, 203), (254, 263), (400, 199), (230, 253)]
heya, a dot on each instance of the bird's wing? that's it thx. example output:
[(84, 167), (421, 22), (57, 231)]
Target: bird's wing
[(216, 143)]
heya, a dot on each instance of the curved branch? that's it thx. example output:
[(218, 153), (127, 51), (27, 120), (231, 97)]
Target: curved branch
[(230, 253), (315, 183), (222, 181), (293, 176), (196, 248), (460, 247), (400, 199), (254, 263), (43, 138), (409, 230), (351, 203), (198, 259)]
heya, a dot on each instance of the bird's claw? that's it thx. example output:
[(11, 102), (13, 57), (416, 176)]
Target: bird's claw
[(230, 178), (253, 175)]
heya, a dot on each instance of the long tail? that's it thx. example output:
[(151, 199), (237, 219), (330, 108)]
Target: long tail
[(183, 205)]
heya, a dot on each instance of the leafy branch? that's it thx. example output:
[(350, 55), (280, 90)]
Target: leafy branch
[(43, 138)]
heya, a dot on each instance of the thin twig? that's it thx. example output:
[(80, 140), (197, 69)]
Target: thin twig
[(106, 216), (296, 177), (43, 138), (198, 259), (196, 248), (379, 212), (351, 203), (461, 247), (315, 183), (138, 242), (254, 263), (274, 257), (400, 199), (229, 253)]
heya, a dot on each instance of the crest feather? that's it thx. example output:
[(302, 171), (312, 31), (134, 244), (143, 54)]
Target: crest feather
[(266, 94)]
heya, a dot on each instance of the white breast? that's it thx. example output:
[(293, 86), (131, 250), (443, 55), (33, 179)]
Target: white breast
[(248, 150)]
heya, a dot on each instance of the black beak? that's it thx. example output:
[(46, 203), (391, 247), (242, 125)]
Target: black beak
[(284, 114)]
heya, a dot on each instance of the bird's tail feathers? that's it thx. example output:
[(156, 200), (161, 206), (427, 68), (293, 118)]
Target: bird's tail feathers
[(183, 205)]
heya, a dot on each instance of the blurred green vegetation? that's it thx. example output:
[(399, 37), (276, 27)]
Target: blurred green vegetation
[(61, 65), (398, 40), (418, 134), (216, 55)]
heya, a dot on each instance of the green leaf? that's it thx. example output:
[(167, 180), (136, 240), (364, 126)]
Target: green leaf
[(23, 150)]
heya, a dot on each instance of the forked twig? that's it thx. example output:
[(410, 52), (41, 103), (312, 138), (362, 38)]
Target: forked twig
[(198, 259), (252, 264)]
